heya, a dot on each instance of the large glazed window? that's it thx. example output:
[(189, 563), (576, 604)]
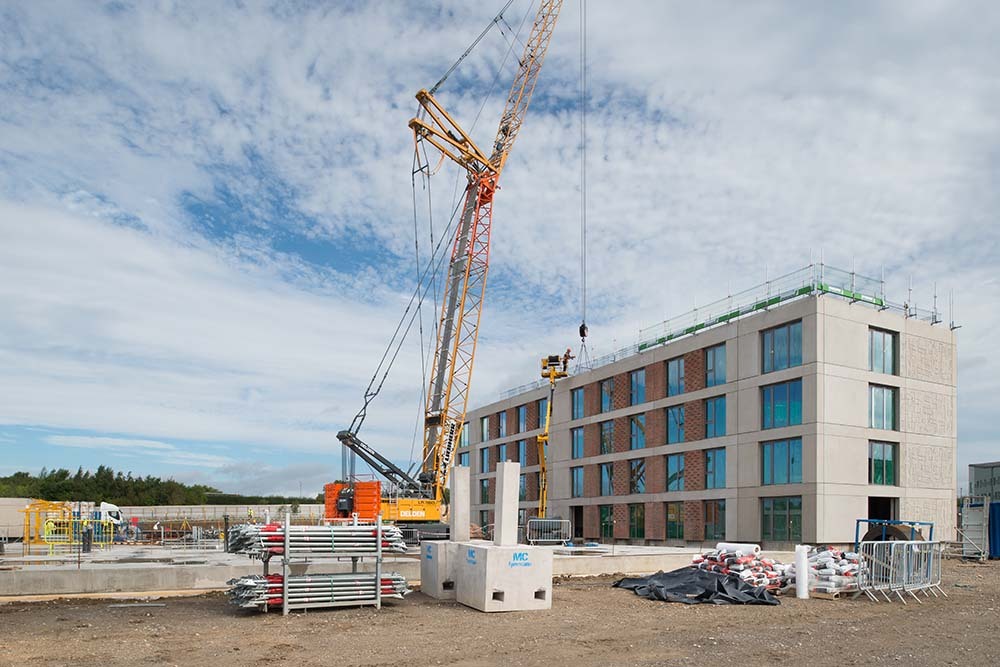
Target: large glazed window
[(715, 365), (781, 347), (883, 347), (882, 402), (781, 404)]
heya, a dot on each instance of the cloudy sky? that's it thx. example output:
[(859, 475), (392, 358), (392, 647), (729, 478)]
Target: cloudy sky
[(207, 214)]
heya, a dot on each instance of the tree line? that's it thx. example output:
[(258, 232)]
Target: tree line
[(119, 488)]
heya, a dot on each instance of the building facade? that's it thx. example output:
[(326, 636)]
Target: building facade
[(984, 479), (781, 426)]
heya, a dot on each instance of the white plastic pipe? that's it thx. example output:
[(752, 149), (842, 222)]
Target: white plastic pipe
[(802, 571), (747, 549)]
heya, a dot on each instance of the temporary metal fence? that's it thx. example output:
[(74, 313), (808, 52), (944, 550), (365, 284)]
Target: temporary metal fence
[(548, 531), (814, 279), (897, 568), (58, 534)]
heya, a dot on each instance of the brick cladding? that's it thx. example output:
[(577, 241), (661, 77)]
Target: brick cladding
[(532, 458), (620, 512), (533, 416), (620, 392), (511, 420), (656, 381), (531, 486), (591, 481), (694, 421), (656, 474), (656, 521), (694, 519), (492, 497), (694, 470), (591, 399), (591, 522), (621, 436), (591, 439), (656, 428), (494, 427), (694, 370), (620, 478)]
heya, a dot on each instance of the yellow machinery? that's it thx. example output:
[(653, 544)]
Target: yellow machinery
[(551, 372), (38, 513), (420, 499)]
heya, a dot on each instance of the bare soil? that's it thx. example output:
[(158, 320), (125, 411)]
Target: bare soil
[(590, 624)]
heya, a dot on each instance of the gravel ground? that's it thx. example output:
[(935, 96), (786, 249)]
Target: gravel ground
[(589, 624)]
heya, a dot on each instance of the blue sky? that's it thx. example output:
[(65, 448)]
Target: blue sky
[(206, 216)]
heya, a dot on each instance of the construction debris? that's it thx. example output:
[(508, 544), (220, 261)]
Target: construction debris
[(259, 592)]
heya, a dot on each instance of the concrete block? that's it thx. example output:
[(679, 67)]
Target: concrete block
[(459, 507), (503, 578), (505, 511), (437, 569)]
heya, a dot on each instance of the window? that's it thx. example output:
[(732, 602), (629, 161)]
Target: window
[(501, 453), (636, 521), (781, 519), (607, 489), (576, 440), (484, 491), (715, 365), (522, 518), (522, 452), (463, 459), (484, 519), (675, 424), (484, 428), (675, 376), (882, 463), (522, 418), (781, 462), (675, 521), (543, 409), (484, 460), (607, 521), (502, 418), (637, 431), (882, 351), (637, 387), (781, 347), (522, 487), (607, 395), (781, 404), (607, 437), (715, 468), (576, 482), (882, 407), (715, 519), (576, 397), (463, 436), (715, 417), (637, 476), (675, 472)]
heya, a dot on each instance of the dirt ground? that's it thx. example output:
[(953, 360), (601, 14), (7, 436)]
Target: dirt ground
[(589, 624)]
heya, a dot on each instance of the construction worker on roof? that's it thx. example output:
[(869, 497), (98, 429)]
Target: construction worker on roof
[(565, 360)]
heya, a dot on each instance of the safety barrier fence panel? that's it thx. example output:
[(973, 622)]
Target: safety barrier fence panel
[(897, 568), (63, 533), (548, 531)]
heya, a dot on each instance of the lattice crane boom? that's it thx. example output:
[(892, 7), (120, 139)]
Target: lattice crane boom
[(461, 307)]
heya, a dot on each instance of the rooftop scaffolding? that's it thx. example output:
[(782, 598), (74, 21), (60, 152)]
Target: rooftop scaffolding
[(815, 279)]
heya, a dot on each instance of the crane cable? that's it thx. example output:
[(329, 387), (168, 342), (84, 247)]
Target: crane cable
[(584, 356)]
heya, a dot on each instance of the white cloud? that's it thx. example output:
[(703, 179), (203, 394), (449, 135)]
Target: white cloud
[(722, 138), (153, 451)]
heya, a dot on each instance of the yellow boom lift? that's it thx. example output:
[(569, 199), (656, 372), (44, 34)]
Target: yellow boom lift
[(420, 499)]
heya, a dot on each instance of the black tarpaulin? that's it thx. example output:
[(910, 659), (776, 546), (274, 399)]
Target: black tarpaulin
[(690, 585)]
